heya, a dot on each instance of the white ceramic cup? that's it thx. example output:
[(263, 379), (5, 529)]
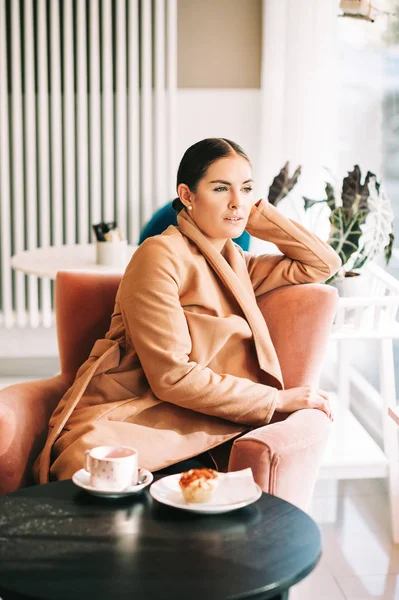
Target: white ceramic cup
[(112, 467), (112, 254)]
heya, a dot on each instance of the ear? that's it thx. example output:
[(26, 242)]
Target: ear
[(185, 195)]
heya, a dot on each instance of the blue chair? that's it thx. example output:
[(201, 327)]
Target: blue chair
[(166, 216)]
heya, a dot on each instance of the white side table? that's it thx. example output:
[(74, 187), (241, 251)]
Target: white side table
[(46, 262), (351, 452)]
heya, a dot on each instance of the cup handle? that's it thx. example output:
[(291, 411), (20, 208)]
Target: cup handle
[(87, 461), (136, 477)]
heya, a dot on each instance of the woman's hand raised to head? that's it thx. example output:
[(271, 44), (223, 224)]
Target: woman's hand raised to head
[(256, 204), (303, 397)]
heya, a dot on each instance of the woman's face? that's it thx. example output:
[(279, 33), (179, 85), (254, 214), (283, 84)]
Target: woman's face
[(223, 199)]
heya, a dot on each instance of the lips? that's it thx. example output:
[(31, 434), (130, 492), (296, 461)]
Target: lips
[(233, 219)]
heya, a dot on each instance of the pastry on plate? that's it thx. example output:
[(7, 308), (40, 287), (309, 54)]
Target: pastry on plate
[(198, 485)]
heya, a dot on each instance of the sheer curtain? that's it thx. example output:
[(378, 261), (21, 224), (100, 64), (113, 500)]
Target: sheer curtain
[(299, 96)]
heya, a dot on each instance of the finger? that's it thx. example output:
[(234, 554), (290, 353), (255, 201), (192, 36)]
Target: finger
[(323, 410), (329, 410), (325, 407), (324, 394)]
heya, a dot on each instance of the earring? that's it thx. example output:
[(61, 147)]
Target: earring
[(189, 208)]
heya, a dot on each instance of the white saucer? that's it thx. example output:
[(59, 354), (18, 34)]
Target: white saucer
[(167, 491), (82, 479)]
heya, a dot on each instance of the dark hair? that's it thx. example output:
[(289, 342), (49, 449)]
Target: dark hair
[(198, 158)]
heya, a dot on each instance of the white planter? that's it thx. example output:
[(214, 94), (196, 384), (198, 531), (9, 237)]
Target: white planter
[(112, 254), (356, 285)]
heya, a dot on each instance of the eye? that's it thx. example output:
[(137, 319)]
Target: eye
[(248, 189), (221, 188)]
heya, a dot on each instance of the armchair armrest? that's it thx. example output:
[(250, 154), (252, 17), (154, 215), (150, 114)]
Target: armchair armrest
[(25, 410), (285, 455)]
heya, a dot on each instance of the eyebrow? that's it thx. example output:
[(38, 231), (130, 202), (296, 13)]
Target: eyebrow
[(228, 182)]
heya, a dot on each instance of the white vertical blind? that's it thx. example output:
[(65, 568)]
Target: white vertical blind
[(69, 126), (120, 118), (107, 112), (86, 133), (43, 136), (171, 57), (82, 142), (95, 113), (17, 162), (56, 126), (146, 111), (160, 192), (133, 142), (30, 155), (5, 187)]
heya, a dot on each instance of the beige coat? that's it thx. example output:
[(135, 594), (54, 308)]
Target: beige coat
[(188, 362)]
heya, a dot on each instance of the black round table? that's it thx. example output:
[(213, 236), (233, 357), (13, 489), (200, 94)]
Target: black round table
[(58, 542)]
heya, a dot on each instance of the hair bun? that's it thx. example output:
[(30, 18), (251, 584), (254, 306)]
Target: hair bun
[(177, 205)]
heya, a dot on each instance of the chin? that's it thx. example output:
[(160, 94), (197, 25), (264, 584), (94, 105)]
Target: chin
[(235, 232)]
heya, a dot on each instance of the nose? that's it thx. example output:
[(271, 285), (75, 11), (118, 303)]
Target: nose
[(235, 200)]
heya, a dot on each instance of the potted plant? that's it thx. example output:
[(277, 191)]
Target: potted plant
[(361, 219)]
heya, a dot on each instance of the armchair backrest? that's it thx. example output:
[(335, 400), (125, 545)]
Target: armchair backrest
[(84, 303), (299, 318)]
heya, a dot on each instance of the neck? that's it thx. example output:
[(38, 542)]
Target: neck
[(218, 244)]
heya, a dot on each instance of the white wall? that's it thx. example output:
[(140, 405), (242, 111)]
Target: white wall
[(231, 113), (219, 43)]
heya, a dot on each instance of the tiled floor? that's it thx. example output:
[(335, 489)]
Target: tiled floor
[(359, 561)]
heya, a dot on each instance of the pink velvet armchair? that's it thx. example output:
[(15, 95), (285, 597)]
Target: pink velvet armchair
[(283, 455)]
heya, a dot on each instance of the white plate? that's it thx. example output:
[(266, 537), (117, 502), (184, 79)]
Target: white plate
[(82, 479), (167, 491)]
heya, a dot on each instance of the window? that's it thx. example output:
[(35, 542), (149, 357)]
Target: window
[(369, 100)]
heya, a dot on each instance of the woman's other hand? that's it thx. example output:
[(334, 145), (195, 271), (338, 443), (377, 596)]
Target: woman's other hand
[(303, 397)]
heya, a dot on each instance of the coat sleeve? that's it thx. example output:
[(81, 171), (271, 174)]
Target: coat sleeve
[(304, 259), (156, 324)]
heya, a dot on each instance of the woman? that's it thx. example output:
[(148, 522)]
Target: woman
[(188, 363)]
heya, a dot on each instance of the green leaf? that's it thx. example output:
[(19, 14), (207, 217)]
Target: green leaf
[(308, 203), (344, 234), (377, 228), (330, 199), (282, 184), (359, 261), (330, 196), (388, 248), (355, 194)]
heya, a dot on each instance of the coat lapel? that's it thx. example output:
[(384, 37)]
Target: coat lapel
[(232, 271)]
